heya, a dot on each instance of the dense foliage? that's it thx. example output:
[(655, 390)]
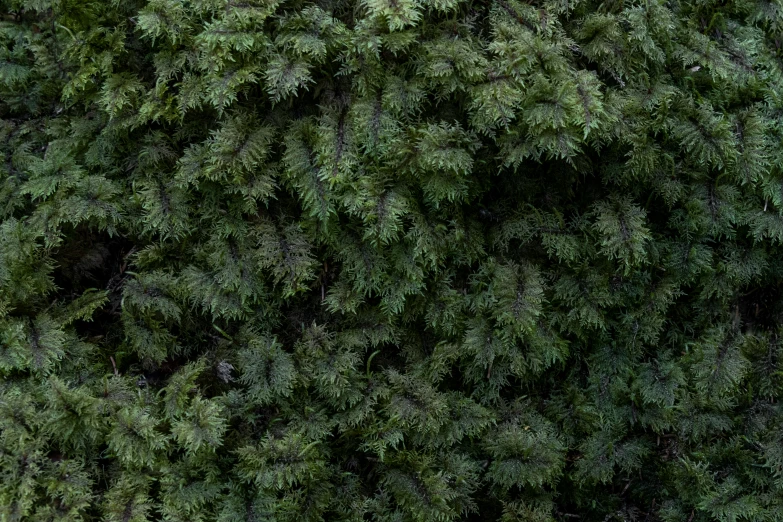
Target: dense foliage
[(391, 260)]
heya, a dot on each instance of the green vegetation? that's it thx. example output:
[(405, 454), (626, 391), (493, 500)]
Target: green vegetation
[(391, 260)]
